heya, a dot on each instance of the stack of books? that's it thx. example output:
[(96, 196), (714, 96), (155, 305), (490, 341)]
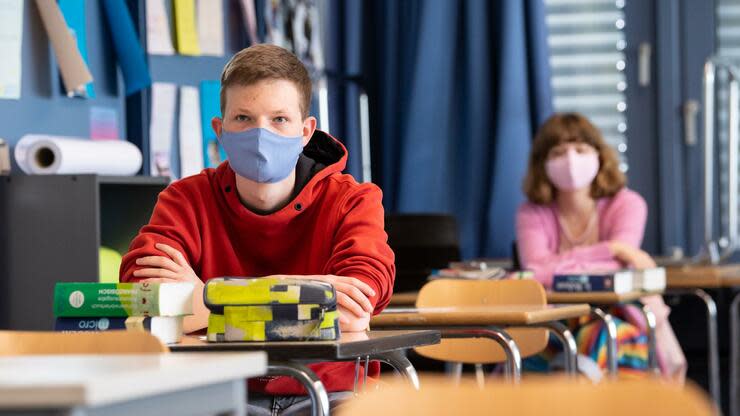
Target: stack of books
[(493, 273), (622, 281), (155, 307)]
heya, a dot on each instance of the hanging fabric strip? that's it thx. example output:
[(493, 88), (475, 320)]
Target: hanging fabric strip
[(250, 20), (129, 52), (75, 74), (185, 31), (210, 24), (210, 106), (74, 15), (158, 38)]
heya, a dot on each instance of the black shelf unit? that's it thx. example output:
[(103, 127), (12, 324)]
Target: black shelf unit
[(51, 228)]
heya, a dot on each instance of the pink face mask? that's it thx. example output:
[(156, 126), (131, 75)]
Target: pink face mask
[(572, 171)]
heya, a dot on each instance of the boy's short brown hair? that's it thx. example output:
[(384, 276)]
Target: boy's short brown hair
[(266, 62), (570, 128)]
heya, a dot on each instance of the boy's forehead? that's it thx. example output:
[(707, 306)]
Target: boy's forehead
[(270, 95)]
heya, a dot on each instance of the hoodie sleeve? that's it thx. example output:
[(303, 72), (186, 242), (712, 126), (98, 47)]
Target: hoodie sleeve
[(360, 247), (174, 223)]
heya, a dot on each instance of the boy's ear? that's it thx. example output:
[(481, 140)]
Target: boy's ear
[(309, 127), (217, 125)]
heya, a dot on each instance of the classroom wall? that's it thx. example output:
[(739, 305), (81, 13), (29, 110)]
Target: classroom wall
[(43, 106)]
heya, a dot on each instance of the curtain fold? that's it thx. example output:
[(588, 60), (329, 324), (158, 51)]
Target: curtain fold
[(457, 89)]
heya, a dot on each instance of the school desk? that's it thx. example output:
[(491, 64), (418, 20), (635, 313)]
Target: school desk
[(146, 384), (691, 280), (287, 358), (489, 322), (404, 299), (598, 298)]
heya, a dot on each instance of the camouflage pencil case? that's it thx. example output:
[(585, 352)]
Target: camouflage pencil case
[(271, 309)]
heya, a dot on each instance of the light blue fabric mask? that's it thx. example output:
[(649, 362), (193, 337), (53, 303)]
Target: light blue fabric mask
[(261, 155)]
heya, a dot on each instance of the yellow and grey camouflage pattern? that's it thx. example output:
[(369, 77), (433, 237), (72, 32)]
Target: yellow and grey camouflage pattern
[(231, 291), (271, 309), (239, 324)]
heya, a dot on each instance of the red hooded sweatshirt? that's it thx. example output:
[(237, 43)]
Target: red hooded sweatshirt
[(333, 225)]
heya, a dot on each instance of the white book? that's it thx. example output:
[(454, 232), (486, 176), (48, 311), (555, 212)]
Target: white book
[(650, 280)]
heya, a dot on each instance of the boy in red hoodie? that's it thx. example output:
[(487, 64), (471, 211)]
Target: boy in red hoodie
[(279, 206)]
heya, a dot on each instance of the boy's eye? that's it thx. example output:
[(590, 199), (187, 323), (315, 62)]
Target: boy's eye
[(280, 119), (242, 117)]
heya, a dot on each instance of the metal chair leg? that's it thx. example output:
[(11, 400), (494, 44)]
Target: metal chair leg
[(570, 348), (735, 356), (316, 390), (611, 336), (402, 365)]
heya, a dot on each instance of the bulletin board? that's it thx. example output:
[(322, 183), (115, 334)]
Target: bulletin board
[(43, 108), (191, 70)]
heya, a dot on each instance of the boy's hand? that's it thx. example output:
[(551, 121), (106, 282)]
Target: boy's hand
[(352, 294), (349, 322), (174, 267)]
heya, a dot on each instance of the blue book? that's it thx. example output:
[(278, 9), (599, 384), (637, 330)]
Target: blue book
[(167, 328), (93, 324), (616, 282)]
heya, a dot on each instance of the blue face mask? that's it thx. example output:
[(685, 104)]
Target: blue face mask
[(261, 155)]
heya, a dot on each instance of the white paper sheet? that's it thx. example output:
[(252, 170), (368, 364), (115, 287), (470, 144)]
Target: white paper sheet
[(45, 154), (158, 36), (11, 39), (161, 128), (191, 139), (210, 21)]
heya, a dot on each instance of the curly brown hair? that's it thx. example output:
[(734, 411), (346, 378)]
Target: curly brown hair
[(570, 128)]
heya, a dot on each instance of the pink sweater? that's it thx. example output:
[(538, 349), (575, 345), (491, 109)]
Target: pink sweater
[(621, 217)]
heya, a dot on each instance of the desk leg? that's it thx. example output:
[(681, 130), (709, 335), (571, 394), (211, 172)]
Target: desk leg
[(357, 375), (513, 357), (400, 363), (570, 348), (652, 347), (712, 342), (735, 356), (611, 340), (319, 398), (240, 398)]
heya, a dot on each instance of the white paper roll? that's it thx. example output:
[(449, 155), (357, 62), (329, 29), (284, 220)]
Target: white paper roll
[(44, 154)]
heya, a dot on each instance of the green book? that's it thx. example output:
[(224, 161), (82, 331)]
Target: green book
[(122, 299)]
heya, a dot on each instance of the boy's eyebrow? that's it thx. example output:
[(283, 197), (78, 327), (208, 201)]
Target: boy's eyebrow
[(280, 111)]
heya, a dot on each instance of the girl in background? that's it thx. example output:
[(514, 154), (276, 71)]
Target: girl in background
[(581, 217)]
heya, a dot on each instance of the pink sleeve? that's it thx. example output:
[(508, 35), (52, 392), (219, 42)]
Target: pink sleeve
[(625, 218), (538, 255)]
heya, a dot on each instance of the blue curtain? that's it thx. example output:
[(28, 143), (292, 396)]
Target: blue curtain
[(457, 89), (343, 57)]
